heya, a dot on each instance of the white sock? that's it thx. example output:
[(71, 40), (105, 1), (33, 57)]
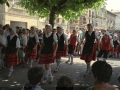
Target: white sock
[(27, 61), (46, 73), (50, 73), (58, 62), (31, 62), (68, 57), (115, 55), (71, 58)]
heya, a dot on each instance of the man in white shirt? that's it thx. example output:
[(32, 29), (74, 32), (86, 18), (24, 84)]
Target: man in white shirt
[(6, 31), (2, 47)]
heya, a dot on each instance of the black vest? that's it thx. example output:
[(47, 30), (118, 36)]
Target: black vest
[(11, 47), (31, 43), (48, 44), (60, 42), (115, 43), (89, 43)]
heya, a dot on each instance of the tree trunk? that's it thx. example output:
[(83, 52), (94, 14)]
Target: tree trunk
[(52, 17)]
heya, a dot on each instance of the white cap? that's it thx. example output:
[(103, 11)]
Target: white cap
[(59, 26), (49, 26), (107, 33)]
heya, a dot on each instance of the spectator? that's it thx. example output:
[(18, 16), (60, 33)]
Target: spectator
[(34, 75), (17, 29), (21, 51), (2, 47), (1, 26), (6, 31), (102, 73), (65, 83)]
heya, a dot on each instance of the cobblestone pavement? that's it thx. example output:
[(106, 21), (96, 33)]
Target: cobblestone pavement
[(75, 71)]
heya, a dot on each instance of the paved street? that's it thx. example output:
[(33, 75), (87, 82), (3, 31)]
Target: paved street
[(75, 71)]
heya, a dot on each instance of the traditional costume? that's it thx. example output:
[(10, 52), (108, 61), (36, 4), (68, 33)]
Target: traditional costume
[(31, 51), (62, 46), (11, 57), (106, 44), (71, 47), (47, 52), (89, 48)]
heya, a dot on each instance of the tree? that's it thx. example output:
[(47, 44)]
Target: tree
[(4, 1), (68, 9)]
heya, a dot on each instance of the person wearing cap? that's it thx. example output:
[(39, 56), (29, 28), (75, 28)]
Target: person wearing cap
[(62, 46), (116, 44), (71, 47), (31, 52), (11, 54), (48, 52), (106, 44), (2, 47), (89, 48)]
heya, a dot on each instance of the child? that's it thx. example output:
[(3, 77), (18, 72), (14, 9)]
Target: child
[(21, 51), (62, 46), (65, 83), (89, 49), (33, 41), (34, 75), (48, 52), (11, 54), (72, 42)]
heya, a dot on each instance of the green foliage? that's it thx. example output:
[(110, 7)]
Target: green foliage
[(4, 1), (68, 9)]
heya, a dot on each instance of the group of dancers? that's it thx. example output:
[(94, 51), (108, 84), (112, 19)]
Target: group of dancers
[(50, 46)]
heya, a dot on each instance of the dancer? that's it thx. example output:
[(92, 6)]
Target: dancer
[(11, 55), (106, 44), (31, 51), (48, 52), (71, 47), (62, 46), (89, 49)]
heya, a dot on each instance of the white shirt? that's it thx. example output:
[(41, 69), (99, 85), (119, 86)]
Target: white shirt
[(48, 35), (96, 36), (17, 42), (25, 39), (6, 33), (65, 37), (3, 41), (36, 37)]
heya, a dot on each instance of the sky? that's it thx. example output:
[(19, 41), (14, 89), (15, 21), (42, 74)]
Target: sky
[(113, 4)]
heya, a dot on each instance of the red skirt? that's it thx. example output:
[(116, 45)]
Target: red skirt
[(11, 59), (31, 54), (62, 53), (89, 57), (46, 58), (116, 49)]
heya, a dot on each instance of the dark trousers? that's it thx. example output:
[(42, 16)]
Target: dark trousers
[(104, 53)]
